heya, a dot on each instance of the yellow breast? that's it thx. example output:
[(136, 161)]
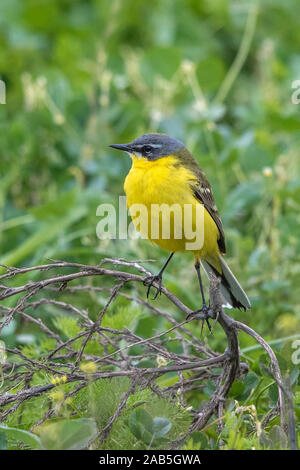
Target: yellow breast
[(165, 181)]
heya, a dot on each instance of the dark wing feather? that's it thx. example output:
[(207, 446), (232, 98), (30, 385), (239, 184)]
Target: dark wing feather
[(202, 191)]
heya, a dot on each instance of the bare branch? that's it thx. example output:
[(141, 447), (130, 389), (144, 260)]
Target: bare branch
[(66, 356)]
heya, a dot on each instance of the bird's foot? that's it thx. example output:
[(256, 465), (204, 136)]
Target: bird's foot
[(150, 280), (204, 314)]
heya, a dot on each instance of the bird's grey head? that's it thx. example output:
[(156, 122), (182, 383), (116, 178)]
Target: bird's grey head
[(151, 146)]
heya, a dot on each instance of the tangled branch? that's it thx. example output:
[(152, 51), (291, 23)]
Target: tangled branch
[(64, 359)]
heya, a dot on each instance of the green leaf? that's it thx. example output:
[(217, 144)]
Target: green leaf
[(264, 441), (20, 435), (146, 429), (43, 236), (278, 437), (294, 374), (237, 389), (273, 393), (3, 441), (250, 382), (141, 425), (161, 426), (68, 434)]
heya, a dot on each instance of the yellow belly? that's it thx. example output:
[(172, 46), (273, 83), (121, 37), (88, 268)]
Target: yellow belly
[(163, 182)]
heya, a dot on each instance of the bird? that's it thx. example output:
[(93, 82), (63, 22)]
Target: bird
[(164, 173)]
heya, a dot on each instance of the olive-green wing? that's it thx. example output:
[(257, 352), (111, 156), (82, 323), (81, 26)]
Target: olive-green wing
[(203, 192)]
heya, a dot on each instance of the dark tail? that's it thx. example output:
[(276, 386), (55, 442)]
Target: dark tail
[(230, 287)]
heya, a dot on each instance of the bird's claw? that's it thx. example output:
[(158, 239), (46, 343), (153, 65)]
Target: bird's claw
[(149, 281), (204, 314)]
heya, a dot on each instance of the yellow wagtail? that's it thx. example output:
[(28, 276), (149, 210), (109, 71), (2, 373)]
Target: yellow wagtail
[(164, 174)]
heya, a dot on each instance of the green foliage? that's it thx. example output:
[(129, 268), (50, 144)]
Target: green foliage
[(3, 441), (18, 435), (242, 431), (145, 420), (124, 317), (71, 434), (149, 430), (67, 325)]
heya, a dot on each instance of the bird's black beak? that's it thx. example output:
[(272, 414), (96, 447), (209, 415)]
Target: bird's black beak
[(125, 147)]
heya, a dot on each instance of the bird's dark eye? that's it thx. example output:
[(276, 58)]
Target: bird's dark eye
[(147, 149)]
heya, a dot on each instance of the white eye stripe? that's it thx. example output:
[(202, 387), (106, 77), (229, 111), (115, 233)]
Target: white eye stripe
[(156, 146)]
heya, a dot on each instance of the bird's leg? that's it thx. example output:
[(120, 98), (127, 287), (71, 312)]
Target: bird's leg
[(204, 313), (149, 280)]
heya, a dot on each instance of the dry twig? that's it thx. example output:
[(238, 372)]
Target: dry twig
[(65, 360)]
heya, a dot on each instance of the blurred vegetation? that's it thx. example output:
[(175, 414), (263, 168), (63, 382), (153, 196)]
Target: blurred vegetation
[(217, 75)]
